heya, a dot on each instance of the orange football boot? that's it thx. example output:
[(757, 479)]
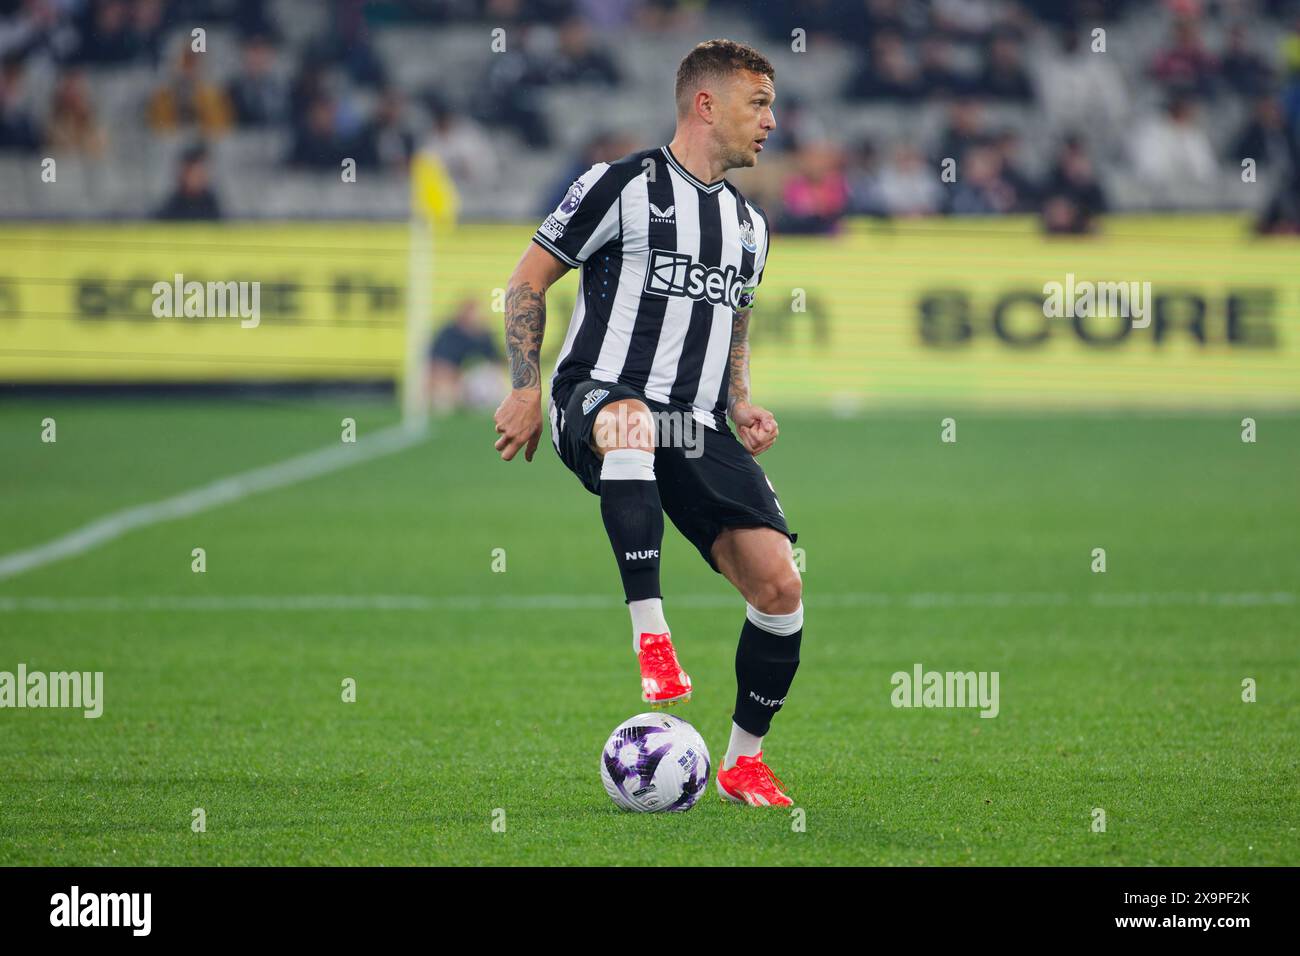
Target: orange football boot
[(752, 781), (663, 682)]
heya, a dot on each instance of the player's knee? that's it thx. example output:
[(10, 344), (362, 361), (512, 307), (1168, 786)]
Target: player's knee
[(780, 593), (626, 423)]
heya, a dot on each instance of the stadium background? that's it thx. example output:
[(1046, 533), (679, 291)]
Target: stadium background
[(893, 298), (1053, 138)]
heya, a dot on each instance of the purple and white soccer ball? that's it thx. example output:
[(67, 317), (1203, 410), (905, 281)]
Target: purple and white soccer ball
[(653, 762)]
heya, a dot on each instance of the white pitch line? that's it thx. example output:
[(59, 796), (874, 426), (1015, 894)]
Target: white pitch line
[(577, 602), (220, 492)]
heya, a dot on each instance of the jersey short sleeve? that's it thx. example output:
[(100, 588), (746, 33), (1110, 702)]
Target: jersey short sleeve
[(764, 241), (586, 219)]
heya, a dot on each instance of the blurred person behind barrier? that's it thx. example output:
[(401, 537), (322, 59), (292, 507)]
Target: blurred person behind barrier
[(386, 141), (1079, 87), (465, 368), (815, 196), (259, 96), (186, 99), (1264, 137), (981, 189), (1185, 66), (1243, 70), (938, 76), (889, 75), (966, 127), (862, 174), (193, 197), (1282, 215), (1072, 195), (1172, 154), (909, 184), (72, 126), (19, 129), (317, 143), (462, 145), (1004, 76), (578, 58), (115, 32)]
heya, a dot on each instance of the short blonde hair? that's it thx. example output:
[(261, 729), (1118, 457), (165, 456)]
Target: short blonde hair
[(712, 59)]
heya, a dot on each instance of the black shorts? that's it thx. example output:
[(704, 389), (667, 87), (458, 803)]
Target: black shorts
[(716, 484)]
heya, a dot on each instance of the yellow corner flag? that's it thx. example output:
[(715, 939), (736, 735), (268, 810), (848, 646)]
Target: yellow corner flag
[(433, 194)]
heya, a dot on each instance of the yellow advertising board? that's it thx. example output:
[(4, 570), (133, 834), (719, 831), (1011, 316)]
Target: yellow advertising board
[(82, 303), (969, 312)]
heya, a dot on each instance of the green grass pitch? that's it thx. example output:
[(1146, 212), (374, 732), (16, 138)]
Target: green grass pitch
[(480, 691)]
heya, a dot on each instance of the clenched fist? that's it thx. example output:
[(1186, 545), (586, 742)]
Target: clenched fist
[(755, 426)]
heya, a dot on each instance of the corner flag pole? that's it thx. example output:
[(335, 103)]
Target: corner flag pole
[(433, 203)]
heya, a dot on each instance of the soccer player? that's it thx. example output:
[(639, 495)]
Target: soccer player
[(655, 360)]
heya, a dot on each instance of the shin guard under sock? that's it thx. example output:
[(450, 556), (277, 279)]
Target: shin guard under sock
[(766, 660), (634, 519)]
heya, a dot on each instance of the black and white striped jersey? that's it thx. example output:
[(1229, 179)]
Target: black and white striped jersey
[(664, 260)]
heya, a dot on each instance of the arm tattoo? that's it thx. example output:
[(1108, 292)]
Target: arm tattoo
[(525, 325), (738, 370)]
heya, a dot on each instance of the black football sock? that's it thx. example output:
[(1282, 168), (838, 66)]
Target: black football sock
[(634, 519), (766, 659)]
